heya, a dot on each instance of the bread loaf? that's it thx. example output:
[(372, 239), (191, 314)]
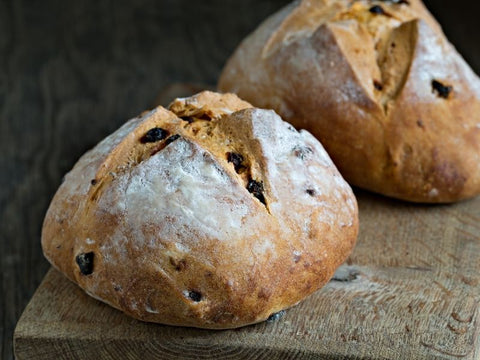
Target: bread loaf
[(377, 82), (212, 214)]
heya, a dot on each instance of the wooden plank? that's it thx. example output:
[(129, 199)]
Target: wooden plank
[(411, 289), (72, 71)]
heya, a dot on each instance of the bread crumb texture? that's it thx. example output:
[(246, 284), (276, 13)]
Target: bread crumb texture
[(211, 214), (377, 82)]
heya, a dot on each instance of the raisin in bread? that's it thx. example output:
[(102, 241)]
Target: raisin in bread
[(377, 82), (212, 214)]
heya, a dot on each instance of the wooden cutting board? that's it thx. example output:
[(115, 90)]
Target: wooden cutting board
[(410, 290)]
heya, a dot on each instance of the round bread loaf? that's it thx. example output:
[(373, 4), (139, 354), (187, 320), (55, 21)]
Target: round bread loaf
[(213, 214), (377, 82)]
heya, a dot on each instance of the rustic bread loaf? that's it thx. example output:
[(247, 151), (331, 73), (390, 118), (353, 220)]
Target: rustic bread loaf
[(213, 214), (396, 107)]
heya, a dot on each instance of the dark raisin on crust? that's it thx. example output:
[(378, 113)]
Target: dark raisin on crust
[(256, 189), (85, 262), (172, 139), (154, 135), (377, 10), (310, 192), (378, 85), (442, 90), (276, 316), (236, 159), (194, 295), (94, 182)]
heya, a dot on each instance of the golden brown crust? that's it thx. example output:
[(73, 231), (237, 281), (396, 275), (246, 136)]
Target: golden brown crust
[(239, 217), (394, 104)]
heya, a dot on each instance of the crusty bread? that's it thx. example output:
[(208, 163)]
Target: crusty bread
[(377, 82), (213, 214)]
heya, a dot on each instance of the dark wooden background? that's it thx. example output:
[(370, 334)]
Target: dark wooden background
[(72, 72)]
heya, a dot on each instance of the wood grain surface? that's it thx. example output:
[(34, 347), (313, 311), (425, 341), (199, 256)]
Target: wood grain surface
[(411, 290), (72, 72)]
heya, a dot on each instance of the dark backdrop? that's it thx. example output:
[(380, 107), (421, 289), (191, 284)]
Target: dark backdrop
[(72, 72)]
